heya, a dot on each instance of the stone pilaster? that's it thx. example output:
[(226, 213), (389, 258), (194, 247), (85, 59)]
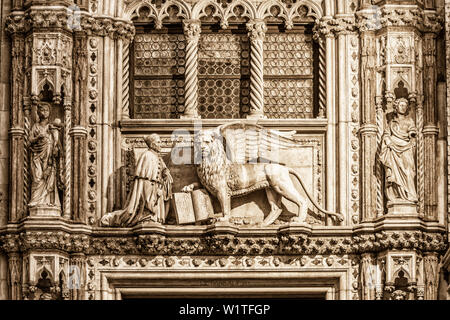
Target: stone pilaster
[(192, 29), (368, 128), (15, 276), (77, 276), (430, 130), (79, 132), (17, 132), (257, 30)]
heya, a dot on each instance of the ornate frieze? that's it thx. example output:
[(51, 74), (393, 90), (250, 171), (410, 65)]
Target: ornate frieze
[(233, 242), (92, 187), (60, 19), (381, 17)]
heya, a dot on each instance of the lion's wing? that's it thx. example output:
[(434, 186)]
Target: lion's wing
[(247, 142)]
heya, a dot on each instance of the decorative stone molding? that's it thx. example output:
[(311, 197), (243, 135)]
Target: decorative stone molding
[(92, 116), (289, 13), (228, 243), (425, 21), (22, 22), (339, 25)]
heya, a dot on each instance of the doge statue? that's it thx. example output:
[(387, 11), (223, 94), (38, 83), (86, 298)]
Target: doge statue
[(152, 190)]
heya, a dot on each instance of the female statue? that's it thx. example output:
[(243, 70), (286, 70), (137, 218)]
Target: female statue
[(397, 154), (45, 149)]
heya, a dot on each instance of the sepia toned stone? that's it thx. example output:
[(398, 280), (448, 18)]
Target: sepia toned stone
[(183, 207), (294, 148)]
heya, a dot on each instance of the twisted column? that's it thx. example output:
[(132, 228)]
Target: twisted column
[(322, 80), (256, 31), (192, 31), (420, 156), (125, 79), (26, 146), (67, 158), (378, 165)]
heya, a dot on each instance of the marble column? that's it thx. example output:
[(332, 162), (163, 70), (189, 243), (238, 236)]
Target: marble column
[(256, 32), (192, 29)]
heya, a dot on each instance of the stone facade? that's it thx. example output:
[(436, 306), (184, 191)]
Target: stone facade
[(351, 97)]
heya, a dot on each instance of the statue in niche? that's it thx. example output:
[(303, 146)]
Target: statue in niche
[(152, 189), (45, 159), (238, 158), (397, 154)]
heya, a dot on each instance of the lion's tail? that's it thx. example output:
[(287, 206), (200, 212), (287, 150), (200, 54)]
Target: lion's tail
[(311, 198)]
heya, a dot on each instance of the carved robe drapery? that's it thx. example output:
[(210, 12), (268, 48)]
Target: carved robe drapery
[(45, 167), (151, 189), (397, 156)]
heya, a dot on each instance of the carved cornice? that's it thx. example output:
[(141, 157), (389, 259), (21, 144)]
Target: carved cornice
[(222, 244), (423, 20), (22, 22), (329, 27)]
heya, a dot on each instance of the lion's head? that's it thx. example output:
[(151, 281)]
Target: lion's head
[(209, 148)]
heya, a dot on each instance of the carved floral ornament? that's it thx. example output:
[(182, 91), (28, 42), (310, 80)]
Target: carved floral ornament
[(228, 243), (310, 9), (21, 22), (425, 21)]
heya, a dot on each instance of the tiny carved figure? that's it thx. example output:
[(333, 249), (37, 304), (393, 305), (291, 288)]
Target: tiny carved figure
[(45, 159), (397, 154), (152, 190), (242, 164)]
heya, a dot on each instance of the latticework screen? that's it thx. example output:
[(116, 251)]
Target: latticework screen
[(288, 75), (223, 75), (158, 86), (158, 74)]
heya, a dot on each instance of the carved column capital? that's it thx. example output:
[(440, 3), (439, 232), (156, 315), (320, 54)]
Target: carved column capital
[(192, 29), (256, 29)]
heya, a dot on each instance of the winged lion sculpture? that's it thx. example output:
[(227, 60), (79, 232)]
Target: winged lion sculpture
[(238, 158)]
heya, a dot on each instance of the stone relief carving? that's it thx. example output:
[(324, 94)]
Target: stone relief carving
[(45, 160), (151, 191), (398, 155), (232, 172)]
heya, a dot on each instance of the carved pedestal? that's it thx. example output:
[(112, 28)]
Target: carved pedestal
[(45, 211), (399, 207)]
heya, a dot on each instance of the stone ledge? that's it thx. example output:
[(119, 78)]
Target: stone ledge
[(219, 240), (145, 125)]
